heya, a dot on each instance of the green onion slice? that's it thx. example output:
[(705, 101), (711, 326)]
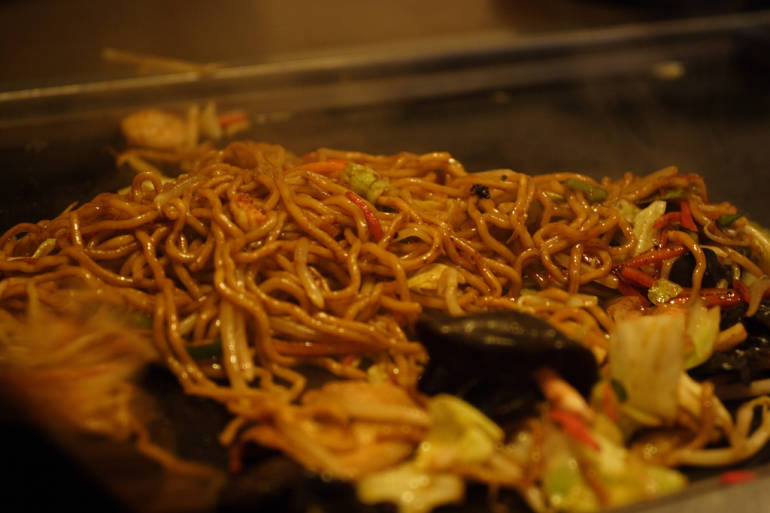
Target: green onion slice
[(593, 193), (205, 350), (726, 220)]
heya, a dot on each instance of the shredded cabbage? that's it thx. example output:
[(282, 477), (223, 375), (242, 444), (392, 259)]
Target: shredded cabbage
[(565, 485), (365, 181), (413, 490), (760, 236), (703, 330), (623, 475), (644, 232), (647, 358), (627, 478), (459, 434), (428, 278), (663, 290), (628, 210)]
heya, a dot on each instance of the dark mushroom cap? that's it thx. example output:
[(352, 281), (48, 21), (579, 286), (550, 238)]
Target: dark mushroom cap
[(488, 358)]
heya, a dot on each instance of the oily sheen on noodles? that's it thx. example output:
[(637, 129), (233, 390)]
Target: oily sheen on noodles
[(254, 266)]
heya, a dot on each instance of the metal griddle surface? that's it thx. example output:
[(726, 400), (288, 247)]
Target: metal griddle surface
[(711, 119)]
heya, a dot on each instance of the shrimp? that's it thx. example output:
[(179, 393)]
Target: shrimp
[(561, 394), (247, 212), (154, 128)]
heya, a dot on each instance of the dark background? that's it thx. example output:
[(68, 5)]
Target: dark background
[(56, 41)]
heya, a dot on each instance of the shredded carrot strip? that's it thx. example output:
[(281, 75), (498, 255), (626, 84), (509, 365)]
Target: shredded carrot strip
[(574, 426), (711, 297), (374, 224), (742, 289), (667, 219), (627, 290), (726, 298), (686, 217), (231, 117), (737, 476), (656, 255), (324, 166), (637, 277), (663, 238)]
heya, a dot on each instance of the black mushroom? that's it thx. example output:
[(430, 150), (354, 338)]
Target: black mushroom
[(681, 271), (749, 360), (488, 359)]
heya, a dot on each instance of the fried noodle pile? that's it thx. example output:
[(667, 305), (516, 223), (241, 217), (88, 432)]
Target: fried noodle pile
[(255, 270)]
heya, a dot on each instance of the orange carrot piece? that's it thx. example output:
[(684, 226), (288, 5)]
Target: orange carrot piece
[(374, 224), (737, 476), (324, 166), (687, 221), (637, 277), (575, 427), (742, 289), (231, 117), (655, 255), (667, 219)]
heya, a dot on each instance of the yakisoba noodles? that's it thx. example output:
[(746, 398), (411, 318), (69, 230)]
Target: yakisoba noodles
[(254, 266)]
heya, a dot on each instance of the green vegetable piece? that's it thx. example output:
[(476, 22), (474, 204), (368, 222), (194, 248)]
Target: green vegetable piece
[(565, 486), (645, 233), (703, 329), (647, 356), (725, 220), (365, 181), (619, 389), (628, 210), (555, 196), (668, 195), (142, 321), (458, 432), (760, 237), (594, 193), (663, 291), (206, 350), (627, 478), (665, 480), (411, 488)]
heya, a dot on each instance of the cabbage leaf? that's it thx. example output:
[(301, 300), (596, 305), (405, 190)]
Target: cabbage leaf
[(647, 357), (645, 233)]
